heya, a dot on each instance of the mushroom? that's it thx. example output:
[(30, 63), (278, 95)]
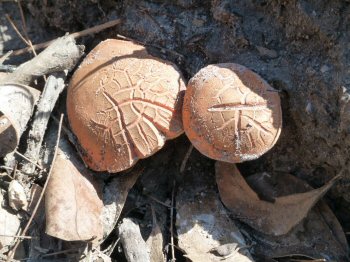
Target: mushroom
[(231, 114), (123, 104)]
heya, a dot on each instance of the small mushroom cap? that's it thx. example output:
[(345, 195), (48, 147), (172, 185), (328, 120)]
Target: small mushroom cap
[(231, 114), (123, 104)]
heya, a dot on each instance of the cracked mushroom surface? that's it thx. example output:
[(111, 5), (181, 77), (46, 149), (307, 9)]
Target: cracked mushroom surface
[(123, 104), (231, 114)]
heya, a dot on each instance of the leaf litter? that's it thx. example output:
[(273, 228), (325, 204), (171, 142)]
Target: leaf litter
[(314, 232), (73, 198), (277, 217)]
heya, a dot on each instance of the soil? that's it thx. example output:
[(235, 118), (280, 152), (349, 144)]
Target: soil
[(301, 48)]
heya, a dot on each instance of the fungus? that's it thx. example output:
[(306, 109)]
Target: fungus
[(123, 104), (231, 114)]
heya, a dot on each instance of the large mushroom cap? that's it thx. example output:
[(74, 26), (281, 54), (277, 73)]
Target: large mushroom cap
[(231, 114), (123, 104)]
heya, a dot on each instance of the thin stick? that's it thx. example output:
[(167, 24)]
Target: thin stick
[(24, 28), (15, 171), (7, 68), (82, 33), (24, 237), (184, 161), (171, 224), (111, 248), (5, 174), (24, 25), (29, 160), (150, 45), (74, 250), (5, 56), (16, 29), (12, 252), (6, 167), (158, 201)]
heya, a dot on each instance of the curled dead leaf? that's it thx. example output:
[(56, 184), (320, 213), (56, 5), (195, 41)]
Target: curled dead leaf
[(274, 218), (319, 236), (72, 200)]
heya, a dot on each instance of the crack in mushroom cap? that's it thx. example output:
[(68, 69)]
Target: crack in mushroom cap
[(231, 114), (123, 104)]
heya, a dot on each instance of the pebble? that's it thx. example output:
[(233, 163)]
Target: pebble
[(17, 196)]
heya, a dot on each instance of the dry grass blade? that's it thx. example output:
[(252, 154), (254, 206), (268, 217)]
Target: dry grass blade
[(29, 160), (172, 223), (12, 252), (187, 156), (24, 237), (24, 39), (16, 29)]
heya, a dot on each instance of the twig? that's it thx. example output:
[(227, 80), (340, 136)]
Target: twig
[(135, 248), (16, 29), (184, 161), (7, 68), (74, 250), (15, 171), (12, 252), (6, 167), (5, 56), (24, 237), (5, 174), (110, 249), (24, 25), (29, 160), (75, 35), (53, 88), (24, 28), (158, 201), (172, 224), (179, 56), (62, 54)]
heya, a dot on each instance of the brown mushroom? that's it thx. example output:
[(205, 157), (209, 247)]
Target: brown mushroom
[(123, 104), (230, 113)]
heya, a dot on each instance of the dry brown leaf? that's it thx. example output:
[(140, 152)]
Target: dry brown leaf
[(203, 223), (274, 218), (72, 200), (319, 235), (155, 241)]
